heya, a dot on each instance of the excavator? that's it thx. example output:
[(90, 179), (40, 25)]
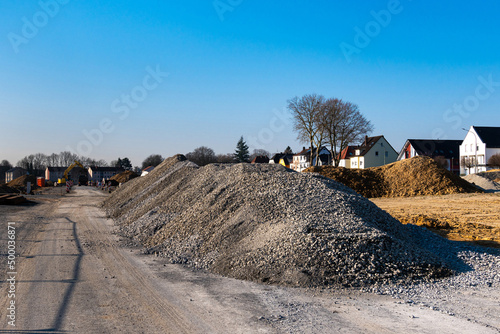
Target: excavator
[(66, 173)]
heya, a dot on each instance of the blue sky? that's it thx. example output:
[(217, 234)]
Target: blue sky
[(206, 72)]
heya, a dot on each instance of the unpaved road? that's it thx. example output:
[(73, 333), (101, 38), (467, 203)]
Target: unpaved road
[(74, 275)]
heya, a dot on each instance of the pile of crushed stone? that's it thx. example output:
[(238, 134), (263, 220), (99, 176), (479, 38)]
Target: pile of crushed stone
[(124, 176), (485, 181), (418, 176), (269, 224)]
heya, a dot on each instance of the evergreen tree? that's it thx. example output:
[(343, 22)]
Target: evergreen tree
[(241, 154)]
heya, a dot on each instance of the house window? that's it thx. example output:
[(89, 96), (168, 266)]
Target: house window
[(386, 153), (376, 153)]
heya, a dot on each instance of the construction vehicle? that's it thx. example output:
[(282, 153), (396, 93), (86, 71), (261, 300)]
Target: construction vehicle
[(66, 172)]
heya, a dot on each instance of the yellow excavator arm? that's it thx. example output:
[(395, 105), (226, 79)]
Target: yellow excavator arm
[(66, 172)]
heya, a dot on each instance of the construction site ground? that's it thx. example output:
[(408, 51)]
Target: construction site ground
[(73, 274), (461, 217)]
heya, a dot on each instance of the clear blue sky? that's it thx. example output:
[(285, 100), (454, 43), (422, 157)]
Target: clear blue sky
[(67, 69)]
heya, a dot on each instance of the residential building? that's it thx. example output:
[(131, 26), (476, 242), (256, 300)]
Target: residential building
[(282, 158), (14, 173), (373, 152), (479, 145), (301, 160), (97, 174), (260, 159), (147, 170), (3, 169), (445, 152), (54, 173)]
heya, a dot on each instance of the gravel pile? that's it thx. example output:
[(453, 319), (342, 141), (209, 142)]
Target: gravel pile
[(484, 181), (269, 224), (418, 176)]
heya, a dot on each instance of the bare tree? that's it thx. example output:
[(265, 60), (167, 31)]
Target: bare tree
[(202, 156), (305, 112), (6, 163), (494, 161), (225, 158), (468, 162), (343, 124)]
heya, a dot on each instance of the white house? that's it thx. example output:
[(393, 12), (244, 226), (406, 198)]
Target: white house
[(373, 152), (54, 173), (301, 160), (479, 145)]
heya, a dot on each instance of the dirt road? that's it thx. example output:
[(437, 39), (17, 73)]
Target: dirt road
[(72, 274)]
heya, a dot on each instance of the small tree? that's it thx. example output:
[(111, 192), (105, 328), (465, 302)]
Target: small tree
[(494, 161), (225, 158), (288, 150), (153, 160), (6, 163), (122, 163), (241, 154)]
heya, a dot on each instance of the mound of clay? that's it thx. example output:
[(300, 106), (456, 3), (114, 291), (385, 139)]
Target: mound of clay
[(266, 223), (22, 181), (124, 176), (417, 176), (5, 189)]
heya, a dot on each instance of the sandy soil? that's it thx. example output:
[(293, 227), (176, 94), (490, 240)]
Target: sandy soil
[(75, 275), (461, 217)]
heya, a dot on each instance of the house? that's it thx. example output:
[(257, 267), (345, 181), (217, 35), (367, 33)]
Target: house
[(479, 145), (54, 173), (282, 159), (300, 160), (373, 152), (14, 173), (3, 169), (260, 159), (147, 170), (446, 152), (97, 174)]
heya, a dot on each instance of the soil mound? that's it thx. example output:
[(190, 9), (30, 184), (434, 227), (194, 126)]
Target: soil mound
[(22, 181), (485, 181), (5, 189), (124, 176), (417, 176), (266, 223)]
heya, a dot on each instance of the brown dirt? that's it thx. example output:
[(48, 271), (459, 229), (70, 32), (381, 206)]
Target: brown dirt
[(411, 177), (21, 182), (5, 189), (462, 217), (124, 176)]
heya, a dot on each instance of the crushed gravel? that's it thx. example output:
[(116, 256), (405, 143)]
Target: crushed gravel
[(269, 224)]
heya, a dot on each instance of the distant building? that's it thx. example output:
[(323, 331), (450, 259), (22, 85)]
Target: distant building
[(301, 160), (448, 151), (97, 174), (479, 145), (147, 170), (373, 152), (282, 159), (260, 159), (3, 169), (54, 173), (14, 173)]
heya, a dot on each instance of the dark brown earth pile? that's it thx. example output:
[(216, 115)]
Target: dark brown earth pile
[(124, 176), (22, 181), (5, 189), (411, 177), (269, 224)]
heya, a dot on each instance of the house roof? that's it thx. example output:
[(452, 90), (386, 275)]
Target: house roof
[(57, 169), (148, 169), (107, 169), (306, 151), (489, 135), (260, 159), (366, 146), (433, 148), (14, 169)]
